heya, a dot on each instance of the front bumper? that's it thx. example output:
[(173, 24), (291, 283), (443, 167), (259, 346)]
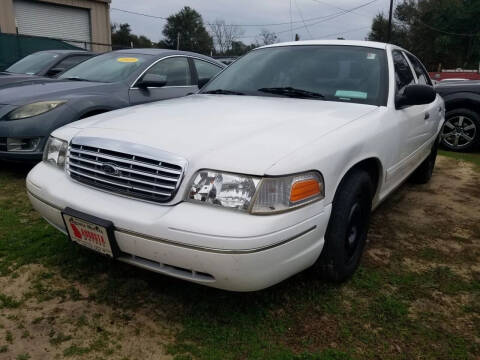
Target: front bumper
[(211, 246)]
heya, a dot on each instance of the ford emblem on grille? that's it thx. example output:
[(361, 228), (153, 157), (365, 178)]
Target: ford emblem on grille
[(110, 169)]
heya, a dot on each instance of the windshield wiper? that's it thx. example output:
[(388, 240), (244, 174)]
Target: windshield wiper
[(223, 92), (76, 78), (292, 92)]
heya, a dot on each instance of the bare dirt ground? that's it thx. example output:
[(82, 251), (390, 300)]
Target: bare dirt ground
[(56, 319)]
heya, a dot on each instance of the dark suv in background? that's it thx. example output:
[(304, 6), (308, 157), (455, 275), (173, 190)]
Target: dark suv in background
[(461, 131)]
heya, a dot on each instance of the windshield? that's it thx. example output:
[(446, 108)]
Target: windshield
[(317, 72), (33, 64), (111, 67)]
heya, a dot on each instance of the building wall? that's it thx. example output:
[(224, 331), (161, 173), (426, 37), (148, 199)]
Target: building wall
[(99, 19)]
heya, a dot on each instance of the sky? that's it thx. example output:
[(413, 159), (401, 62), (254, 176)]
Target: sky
[(311, 19)]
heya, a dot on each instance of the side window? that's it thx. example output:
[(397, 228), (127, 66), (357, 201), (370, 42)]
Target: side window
[(175, 71), (403, 72), (422, 75), (206, 70), (71, 61)]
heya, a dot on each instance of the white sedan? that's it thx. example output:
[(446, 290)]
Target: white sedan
[(274, 166)]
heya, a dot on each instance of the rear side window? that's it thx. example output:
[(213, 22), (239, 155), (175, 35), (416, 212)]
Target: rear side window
[(422, 75), (175, 71), (71, 61), (403, 72), (206, 70)]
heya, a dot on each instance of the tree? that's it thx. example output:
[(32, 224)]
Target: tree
[(122, 37), (437, 31), (239, 48), (187, 26), (267, 37), (224, 35)]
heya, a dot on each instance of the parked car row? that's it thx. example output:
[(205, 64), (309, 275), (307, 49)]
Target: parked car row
[(273, 167), (32, 108)]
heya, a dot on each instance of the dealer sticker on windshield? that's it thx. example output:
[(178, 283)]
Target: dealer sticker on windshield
[(127, 59), (351, 94)]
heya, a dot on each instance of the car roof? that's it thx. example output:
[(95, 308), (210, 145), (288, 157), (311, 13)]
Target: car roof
[(162, 52), (371, 44)]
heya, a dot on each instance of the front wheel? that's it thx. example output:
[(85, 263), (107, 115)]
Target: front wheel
[(461, 131), (347, 230)]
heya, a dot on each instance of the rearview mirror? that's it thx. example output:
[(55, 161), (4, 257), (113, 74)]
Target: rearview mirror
[(152, 80), (415, 95)]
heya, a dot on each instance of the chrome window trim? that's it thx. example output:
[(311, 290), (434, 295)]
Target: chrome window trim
[(132, 87)]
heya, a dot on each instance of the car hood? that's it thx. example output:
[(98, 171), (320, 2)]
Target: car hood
[(6, 77), (26, 92), (232, 133)]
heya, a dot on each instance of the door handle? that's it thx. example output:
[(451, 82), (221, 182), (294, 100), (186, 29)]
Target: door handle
[(427, 116)]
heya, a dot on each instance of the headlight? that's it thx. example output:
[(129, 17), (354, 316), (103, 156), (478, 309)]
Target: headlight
[(55, 152), (223, 189), (256, 195), (33, 109)]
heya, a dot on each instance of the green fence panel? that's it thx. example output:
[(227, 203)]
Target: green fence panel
[(14, 47)]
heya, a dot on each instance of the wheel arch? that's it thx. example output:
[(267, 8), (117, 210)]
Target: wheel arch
[(373, 166), (463, 101)]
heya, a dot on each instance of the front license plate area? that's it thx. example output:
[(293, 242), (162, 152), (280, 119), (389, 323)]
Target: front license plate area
[(91, 232)]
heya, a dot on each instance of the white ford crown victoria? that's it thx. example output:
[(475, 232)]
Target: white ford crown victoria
[(273, 167)]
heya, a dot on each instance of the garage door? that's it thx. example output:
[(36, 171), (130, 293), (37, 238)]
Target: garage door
[(63, 22)]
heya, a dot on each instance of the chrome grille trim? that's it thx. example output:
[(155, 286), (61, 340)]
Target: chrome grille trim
[(136, 171)]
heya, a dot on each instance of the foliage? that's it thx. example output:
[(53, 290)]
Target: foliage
[(224, 35), (267, 37), (122, 37), (187, 26), (440, 32)]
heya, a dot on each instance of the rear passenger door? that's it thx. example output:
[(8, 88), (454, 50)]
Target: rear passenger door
[(179, 81)]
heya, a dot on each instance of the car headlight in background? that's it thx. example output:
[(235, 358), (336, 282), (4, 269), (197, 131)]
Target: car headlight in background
[(55, 152), (254, 194), (34, 109)]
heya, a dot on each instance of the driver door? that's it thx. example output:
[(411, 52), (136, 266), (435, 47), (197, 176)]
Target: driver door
[(177, 73)]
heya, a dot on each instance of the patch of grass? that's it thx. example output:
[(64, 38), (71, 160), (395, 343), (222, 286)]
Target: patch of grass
[(473, 157), (60, 338), (3, 348), (9, 337), (8, 302), (24, 356), (75, 350), (388, 310)]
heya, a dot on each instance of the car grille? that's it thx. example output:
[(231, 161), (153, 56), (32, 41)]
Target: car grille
[(3, 144), (127, 174)]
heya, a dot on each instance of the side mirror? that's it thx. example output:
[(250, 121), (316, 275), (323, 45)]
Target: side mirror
[(55, 71), (202, 82), (415, 95), (152, 80)]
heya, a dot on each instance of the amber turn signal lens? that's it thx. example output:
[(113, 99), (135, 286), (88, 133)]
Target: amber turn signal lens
[(304, 189)]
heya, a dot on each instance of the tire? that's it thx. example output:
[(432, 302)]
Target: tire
[(461, 131), (347, 229), (424, 172)]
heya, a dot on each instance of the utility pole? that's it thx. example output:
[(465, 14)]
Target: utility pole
[(389, 36), (178, 41)]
